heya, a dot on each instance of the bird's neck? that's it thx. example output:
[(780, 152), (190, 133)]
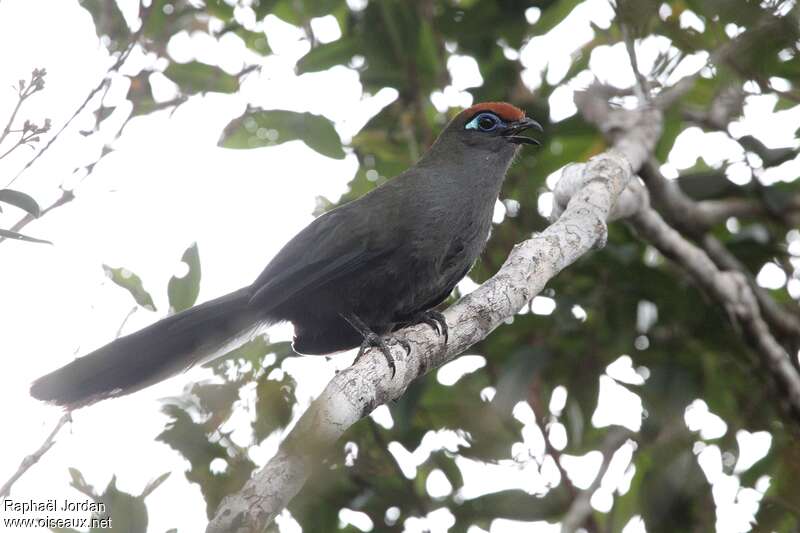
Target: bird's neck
[(473, 176)]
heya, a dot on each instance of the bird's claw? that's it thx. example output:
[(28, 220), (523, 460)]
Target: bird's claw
[(372, 340), (435, 320)]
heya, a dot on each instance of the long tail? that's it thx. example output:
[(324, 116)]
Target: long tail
[(150, 355)]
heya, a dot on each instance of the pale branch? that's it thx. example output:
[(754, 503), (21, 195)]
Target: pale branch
[(738, 294), (730, 289), (33, 458), (694, 219), (715, 211), (355, 392), (581, 508), (785, 320), (634, 133)]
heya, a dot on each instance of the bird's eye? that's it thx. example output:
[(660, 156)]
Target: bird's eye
[(487, 122), (484, 122)]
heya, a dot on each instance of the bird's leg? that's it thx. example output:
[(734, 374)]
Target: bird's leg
[(434, 319), (372, 340)]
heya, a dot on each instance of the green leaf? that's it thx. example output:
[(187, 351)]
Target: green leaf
[(254, 40), (8, 234), (513, 383), (108, 21), (515, 504), (21, 200), (673, 125), (553, 15), (263, 7), (220, 9), (140, 94), (166, 18), (79, 483), (273, 408), (154, 484), (131, 283), (183, 291), (266, 128), (128, 512), (325, 56), (191, 440), (195, 77)]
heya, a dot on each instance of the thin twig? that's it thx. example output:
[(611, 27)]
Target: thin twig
[(68, 196), (34, 458), (125, 321), (77, 112), (640, 88), (24, 91), (143, 15), (670, 95)]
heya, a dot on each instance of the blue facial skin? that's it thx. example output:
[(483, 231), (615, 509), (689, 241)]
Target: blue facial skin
[(485, 122)]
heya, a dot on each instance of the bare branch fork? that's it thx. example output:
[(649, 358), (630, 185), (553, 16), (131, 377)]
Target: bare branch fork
[(68, 196), (33, 458), (750, 310), (355, 392)]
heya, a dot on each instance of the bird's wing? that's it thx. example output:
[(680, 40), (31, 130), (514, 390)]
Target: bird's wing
[(334, 245)]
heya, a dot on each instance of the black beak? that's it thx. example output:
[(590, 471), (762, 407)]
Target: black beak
[(519, 126)]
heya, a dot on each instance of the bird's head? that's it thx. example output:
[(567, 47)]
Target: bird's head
[(481, 142), (493, 126)]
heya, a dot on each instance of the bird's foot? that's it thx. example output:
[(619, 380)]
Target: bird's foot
[(373, 340), (435, 320)]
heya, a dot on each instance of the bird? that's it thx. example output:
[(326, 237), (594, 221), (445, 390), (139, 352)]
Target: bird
[(352, 277)]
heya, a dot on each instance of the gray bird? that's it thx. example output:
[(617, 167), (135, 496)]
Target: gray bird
[(350, 278)]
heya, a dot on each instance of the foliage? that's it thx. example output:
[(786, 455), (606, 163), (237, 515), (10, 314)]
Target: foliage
[(688, 352)]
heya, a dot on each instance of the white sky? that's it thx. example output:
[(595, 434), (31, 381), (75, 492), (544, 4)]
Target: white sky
[(167, 185)]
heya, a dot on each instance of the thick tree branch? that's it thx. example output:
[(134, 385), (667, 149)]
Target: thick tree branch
[(694, 218), (732, 290), (356, 391)]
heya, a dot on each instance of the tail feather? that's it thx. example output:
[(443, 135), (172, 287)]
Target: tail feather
[(149, 355)]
